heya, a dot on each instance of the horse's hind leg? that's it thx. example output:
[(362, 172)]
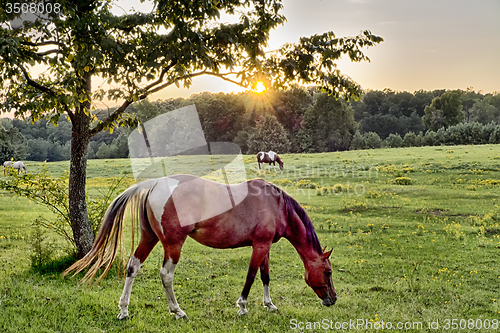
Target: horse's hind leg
[(258, 255), (172, 255), (264, 276), (148, 242)]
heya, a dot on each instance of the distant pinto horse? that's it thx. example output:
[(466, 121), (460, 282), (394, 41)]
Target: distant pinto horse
[(263, 214), (270, 157)]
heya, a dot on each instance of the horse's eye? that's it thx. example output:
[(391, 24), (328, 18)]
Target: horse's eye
[(328, 273)]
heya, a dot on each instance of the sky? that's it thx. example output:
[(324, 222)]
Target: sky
[(428, 44)]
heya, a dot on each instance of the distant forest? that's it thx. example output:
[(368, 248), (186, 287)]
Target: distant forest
[(298, 120)]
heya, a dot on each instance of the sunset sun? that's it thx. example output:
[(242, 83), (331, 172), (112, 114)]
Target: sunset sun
[(259, 87)]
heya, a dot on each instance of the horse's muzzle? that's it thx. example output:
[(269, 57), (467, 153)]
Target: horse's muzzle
[(329, 300)]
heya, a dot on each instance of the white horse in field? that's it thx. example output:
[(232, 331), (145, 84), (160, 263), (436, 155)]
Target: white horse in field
[(15, 165)]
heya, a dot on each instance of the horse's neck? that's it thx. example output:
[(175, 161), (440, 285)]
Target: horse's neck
[(297, 236)]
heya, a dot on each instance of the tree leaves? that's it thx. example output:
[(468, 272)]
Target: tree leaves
[(140, 53)]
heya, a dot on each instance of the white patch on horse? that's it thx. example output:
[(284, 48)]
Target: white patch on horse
[(272, 155), (242, 304), (260, 157), (167, 277), (209, 198), (267, 300), (133, 267), (160, 195)]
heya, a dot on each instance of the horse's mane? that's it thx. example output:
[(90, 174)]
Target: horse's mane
[(292, 206)]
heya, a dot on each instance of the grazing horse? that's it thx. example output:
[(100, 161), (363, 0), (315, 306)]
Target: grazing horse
[(171, 208), (270, 157), (15, 165), (20, 166)]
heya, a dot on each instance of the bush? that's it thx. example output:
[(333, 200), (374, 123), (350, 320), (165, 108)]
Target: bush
[(393, 141), (52, 192), (372, 140), (403, 181), (495, 136), (430, 139), (269, 134), (410, 140), (306, 183), (41, 250), (357, 142)]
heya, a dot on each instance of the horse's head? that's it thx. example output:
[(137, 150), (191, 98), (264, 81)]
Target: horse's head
[(319, 277), (280, 162)]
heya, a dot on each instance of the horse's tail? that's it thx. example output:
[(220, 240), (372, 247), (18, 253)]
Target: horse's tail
[(293, 207), (109, 239)]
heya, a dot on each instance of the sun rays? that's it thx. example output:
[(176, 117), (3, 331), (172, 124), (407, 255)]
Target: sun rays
[(259, 87)]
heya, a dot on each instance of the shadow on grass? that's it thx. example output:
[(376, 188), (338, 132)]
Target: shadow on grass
[(54, 266)]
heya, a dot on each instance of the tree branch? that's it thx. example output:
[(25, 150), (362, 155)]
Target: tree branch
[(162, 75), (35, 84), (41, 54), (42, 88), (49, 42), (221, 76), (118, 112)]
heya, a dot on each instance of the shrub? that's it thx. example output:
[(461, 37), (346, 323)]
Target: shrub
[(52, 192), (403, 181), (495, 136), (41, 250), (393, 141), (410, 140), (358, 141), (430, 139), (306, 183), (372, 140)]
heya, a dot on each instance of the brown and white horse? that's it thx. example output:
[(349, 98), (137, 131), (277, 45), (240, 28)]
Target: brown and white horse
[(270, 157), (171, 208)]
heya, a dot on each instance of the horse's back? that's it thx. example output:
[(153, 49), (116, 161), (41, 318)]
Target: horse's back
[(223, 216)]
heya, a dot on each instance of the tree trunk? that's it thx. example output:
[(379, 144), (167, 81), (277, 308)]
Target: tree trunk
[(80, 137)]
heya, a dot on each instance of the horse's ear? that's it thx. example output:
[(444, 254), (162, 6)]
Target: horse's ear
[(326, 255)]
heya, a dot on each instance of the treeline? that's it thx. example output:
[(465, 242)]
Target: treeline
[(296, 120)]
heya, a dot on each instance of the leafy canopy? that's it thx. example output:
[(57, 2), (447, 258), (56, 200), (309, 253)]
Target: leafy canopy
[(136, 54)]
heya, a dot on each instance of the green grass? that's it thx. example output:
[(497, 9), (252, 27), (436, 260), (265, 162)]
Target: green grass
[(420, 252)]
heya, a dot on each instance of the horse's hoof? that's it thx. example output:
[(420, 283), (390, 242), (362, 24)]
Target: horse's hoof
[(242, 312), (181, 315), (122, 316), (271, 308)]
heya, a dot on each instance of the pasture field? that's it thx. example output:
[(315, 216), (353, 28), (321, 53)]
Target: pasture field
[(415, 232)]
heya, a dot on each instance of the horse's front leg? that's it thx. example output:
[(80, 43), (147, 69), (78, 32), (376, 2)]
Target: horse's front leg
[(258, 255), (264, 276)]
